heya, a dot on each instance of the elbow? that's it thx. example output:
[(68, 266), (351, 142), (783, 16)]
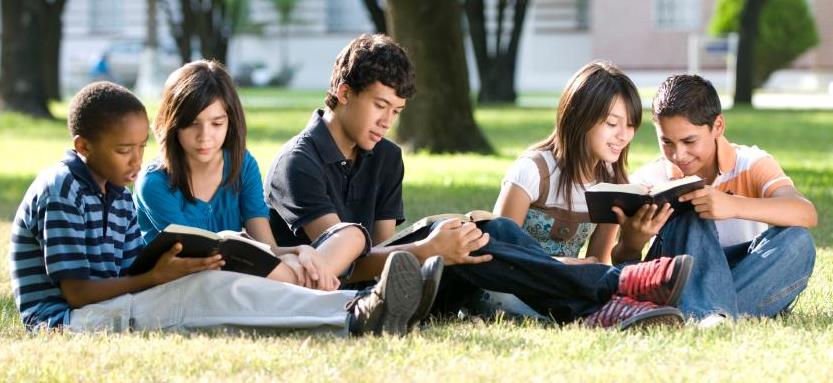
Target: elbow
[(74, 298), (812, 217), (74, 301), (812, 220)]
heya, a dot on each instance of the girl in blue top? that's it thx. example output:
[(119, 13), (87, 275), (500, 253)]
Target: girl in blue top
[(206, 178)]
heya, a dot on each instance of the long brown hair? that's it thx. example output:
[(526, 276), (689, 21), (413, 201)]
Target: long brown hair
[(188, 91), (586, 101)]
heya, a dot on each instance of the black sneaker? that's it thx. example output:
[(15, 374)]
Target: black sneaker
[(432, 271), (387, 306)]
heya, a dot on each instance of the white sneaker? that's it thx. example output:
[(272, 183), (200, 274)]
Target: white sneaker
[(712, 321)]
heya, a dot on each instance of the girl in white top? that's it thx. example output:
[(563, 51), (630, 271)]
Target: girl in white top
[(543, 191)]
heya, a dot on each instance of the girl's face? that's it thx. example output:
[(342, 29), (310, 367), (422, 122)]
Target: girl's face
[(608, 138), (203, 140)]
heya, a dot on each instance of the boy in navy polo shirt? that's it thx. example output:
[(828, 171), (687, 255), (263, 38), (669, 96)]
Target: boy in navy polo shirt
[(342, 169), (75, 234)]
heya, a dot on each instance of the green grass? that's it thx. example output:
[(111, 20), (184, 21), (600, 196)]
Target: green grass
[(798, 347)]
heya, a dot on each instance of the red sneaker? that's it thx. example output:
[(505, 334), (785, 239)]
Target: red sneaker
[(626, 312), (660, 281)]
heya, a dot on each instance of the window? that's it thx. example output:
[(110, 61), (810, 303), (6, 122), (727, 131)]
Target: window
[(677, 15), (106, 16)]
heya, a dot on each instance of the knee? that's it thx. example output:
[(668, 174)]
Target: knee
[(796, 239), (500, 224)]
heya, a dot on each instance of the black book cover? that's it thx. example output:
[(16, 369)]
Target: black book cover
[(241, 254), (600, 202)]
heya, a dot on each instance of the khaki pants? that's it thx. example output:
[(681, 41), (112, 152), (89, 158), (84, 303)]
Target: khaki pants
[(218, 300)]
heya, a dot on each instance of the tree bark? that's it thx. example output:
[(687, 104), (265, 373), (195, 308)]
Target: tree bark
[(496, 67), (182, 29), (51, 45), (377, 15), (22, 86), (439, 117), (745, 68)]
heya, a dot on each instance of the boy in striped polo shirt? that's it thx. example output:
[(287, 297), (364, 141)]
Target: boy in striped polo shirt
[(748, 234), (75, 234)]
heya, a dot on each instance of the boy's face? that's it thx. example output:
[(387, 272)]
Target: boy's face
[(693, 148), (116, 155), (368, 115)]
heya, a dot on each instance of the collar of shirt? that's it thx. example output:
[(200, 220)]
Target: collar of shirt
[(81, 172), (726, 159), (323, 140)]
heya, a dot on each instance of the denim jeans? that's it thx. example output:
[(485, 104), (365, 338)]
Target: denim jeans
[(520, 266), (759, 278)]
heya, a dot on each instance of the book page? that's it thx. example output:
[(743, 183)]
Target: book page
[(230, 235), (182, 229), (479, 215), (656, 189), (621, 188)]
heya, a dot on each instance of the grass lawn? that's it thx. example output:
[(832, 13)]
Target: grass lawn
[(798, 347)]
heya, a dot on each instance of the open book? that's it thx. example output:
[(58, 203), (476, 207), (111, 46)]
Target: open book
[(420, 229), (630, 197), (241, 253)]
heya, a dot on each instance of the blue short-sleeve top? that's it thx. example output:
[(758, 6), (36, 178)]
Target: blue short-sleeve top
[(158, 205)]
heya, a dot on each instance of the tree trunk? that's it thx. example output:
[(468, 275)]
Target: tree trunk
[(22, 87), (51, 45), (377, 15), (439, 117), (182, 29), (745, 68), (496, 67)]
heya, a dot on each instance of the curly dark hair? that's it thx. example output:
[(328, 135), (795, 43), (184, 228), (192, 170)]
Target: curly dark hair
[(689, 96), (370, 58), (98, 107)]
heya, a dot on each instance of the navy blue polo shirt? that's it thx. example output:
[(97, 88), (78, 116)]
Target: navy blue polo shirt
[(310, 178)]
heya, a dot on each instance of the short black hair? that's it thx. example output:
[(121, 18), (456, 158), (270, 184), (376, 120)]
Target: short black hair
[(370, 58), (689, 96), (99, 106)]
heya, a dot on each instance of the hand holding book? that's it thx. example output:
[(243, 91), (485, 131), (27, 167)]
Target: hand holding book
[(711, 203), (639, 228), (170, 266), (602, 197)]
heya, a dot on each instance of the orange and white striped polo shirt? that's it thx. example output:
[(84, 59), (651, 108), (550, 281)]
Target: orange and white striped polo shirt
[(743, 170)]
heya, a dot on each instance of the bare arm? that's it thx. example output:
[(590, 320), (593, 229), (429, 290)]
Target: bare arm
[(786, 207), (602, 242), (512, 203), (453, 239), (81, 292)]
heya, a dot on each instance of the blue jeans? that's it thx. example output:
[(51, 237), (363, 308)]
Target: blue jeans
[(759, 278), (522, 268)]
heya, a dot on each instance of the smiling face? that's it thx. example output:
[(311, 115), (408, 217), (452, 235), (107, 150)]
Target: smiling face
[(115, 156), (608, 138), (693, 148), (202, 140), (363, 118)]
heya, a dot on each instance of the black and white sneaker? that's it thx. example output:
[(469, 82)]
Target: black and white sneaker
[(389, 305)]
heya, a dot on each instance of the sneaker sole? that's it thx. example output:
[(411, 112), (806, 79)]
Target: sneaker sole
[(431, 273), (667, 316), (683, 270), (402, 284)]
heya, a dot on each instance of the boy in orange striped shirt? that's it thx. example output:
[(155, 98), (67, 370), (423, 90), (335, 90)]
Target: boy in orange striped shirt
[(748, 231)]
